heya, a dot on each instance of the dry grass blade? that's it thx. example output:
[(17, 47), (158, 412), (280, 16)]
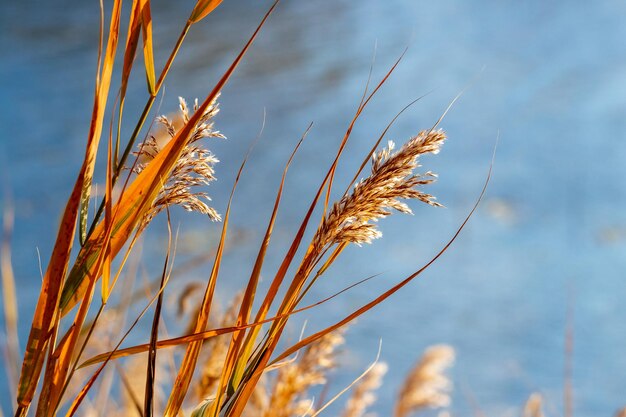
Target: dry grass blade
[(190, 359), (148, 405), (58, 367), (363, 389), (148, 54), (185, 372), (363, 395), (202, 9), (77, 401), (103, 84), (132, 40)]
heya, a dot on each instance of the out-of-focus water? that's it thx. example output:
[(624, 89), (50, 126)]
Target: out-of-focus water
[(548, 78)]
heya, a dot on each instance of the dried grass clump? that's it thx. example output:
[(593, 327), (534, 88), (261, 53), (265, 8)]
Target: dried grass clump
[(226, 365), (427, 386)]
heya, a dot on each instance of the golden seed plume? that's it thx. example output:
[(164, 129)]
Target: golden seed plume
[(533, 406), (363, 394), (426, 385), (392, 179), (290, 392), (193, 169)]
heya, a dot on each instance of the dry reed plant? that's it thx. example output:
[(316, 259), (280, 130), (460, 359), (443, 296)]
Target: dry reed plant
[(294, 380), (427, 386), (363, 393), (533, 406), (240, 365)]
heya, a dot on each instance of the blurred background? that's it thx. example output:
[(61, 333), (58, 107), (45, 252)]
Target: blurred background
[(547, 78)]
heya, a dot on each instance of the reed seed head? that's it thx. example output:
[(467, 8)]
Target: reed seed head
[(194, 168), (392, 179), (289, 397), (363, 394), (427, 386), (534, 406)]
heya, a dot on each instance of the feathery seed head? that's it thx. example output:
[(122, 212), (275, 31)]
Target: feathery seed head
[(427, 386), (193, 169), (363, 394), (392, 179), (534, 406)]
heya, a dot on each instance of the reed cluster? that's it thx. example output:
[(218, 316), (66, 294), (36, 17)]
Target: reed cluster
[(234, 363)]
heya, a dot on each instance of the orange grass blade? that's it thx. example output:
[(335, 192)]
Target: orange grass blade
[(57, 370), (103, 85), (177, 341), (183, 379), (202, 9), (46, 318), (148, 54), (132, 39), (233, 367), (108, 217)]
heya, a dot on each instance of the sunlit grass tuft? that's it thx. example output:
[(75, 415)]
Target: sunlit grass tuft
[(237, 363)]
